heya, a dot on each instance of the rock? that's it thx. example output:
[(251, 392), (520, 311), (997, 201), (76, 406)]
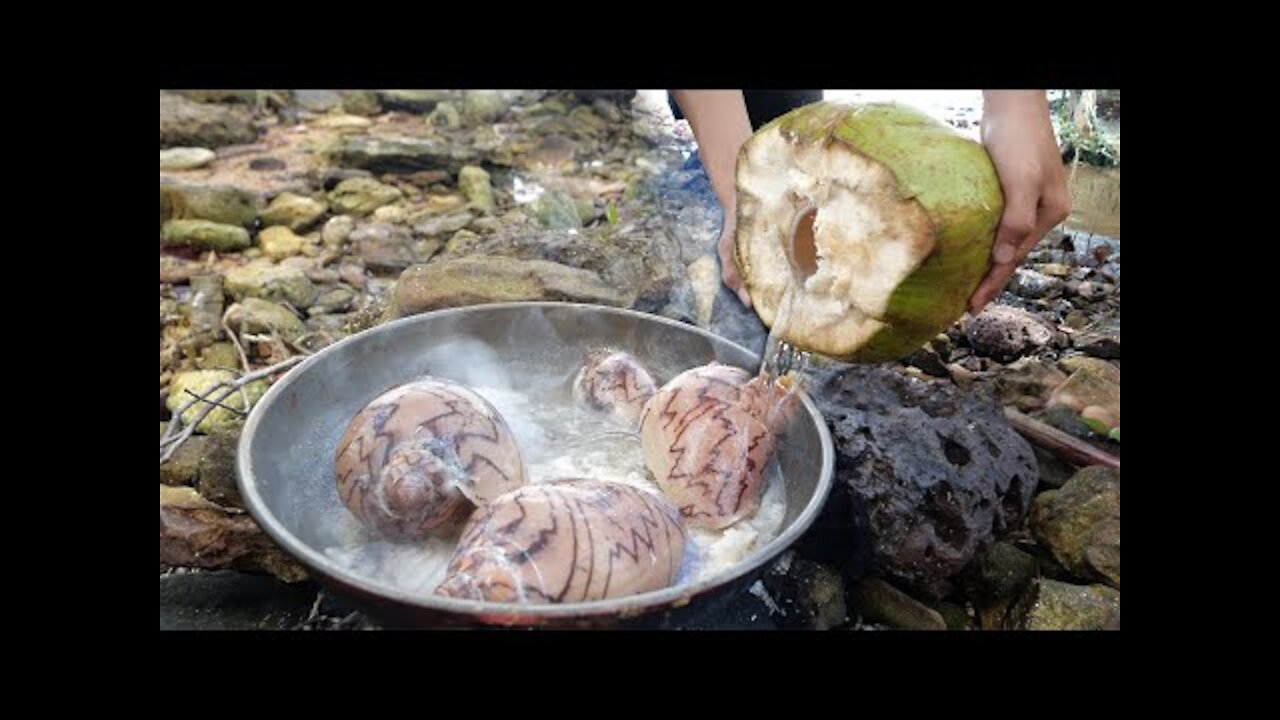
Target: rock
[(317, 100), (216, 203), (255, 315), (204, 235), (704, 276), (200, 382), (442, 225), (1005, 333), (436, 205), (230, 600), (879, 602), (360, 102), (297, 212), (555, 210), (1092, 385), (1057, 270), (335, 300), (220, 96), (1080, 524), (402, 153), (927, 360), (639, 262), (181, 467), (352, 275), (414, 101), (735, 321), (185, 158), (956, 617), (176, 270), (271, 282), (474, 184), (1027, 383), (343, 123), (427, 248), (184, 123), (336, 231), (267, 164), (476, 279), (1000, 573), (808, 595), (1100, 339), (394, 214), (217, 468), (1031, 284), (361, 196), (279, 242), (1090, 290), (935, 472), (383, 247), (483, 106), (462, 242), (552, 152), (1066, 420), (197, 533), (219, 356), (445, 115), (1053, 605)]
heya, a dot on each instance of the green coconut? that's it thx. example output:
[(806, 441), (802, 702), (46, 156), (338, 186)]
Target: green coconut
[(881, 217)]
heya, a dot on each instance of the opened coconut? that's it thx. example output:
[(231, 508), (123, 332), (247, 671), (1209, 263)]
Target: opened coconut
[(884, 217)]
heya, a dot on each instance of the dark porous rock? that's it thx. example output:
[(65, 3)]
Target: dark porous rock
[(935, 472)]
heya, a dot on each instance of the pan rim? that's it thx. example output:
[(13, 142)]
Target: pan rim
[(675, 596)]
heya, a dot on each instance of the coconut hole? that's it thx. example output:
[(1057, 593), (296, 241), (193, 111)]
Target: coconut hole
[(804, 249)]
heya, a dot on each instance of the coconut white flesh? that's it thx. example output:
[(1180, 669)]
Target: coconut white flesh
[(867, 237)]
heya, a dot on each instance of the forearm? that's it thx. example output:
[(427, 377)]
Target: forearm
[(1013, 106), (721, 125)]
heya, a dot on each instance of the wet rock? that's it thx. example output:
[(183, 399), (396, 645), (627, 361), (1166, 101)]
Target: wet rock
[(216, 203), (402, 153), (395, 214), (1080, 524), (1031, 284), (336, 300), (879, 602), (704, 276), (361, 196), (182, 467), (1092, 389), (640, 262), (267, 164), (383, 247), (956, 617), (1053, 605), (317, 100), (176, 270), (414, 101), (432, 226), (216, 476), (297, 212), (1100, 339), (476, 279), (1027, 383), (1000, 573), (185, 158), (1090, 290), (254, 315), (475, 185), (186, 123), (1005, 333), (446, 116), (230, 600), (204, 235), (197, 533), (555, 210), (279, 242), (552, 152), (200, 382), (935, 472), (483, 106), (336, 231), (1057, 270), (278, 283), (808, 595), (219, 356), (735, 321), (360, 102)]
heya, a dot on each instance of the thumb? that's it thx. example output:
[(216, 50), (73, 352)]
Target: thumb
[(1017, 222)]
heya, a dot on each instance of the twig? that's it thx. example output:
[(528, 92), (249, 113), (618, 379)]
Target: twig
[(173, 438), (1073, 450), (244, 360), (215, 402)]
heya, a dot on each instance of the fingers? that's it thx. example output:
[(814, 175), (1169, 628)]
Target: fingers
[(1017, 237)]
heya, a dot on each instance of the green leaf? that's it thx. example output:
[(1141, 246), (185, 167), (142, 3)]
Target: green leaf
[(1095, 425), (611, 213), (1114, 434)]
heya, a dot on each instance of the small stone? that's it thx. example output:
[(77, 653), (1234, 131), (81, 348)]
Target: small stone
[(390, 214), (336, 230), (361, 196), (185, 158), (181, 467), (277, 283), (1092, 384), (446, 224), (267, 164), (360, 102), (446, 116), (201, 382), (475, 185), (215, 203), (459, 244), (335, 300), (1005, 333), (879, 602), (1027, 383), (1100, 339), (297, 212), (220, 355), (1057, 270), (555, 210), (1053, 605), (343, 123), (383, 247), (1080, 524), (483, 106), (204, 235), (254, 315), (217, 468), (279, 242)]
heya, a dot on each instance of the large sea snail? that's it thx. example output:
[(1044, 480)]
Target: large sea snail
[(567, 541), (421, 456), (613, 383)]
